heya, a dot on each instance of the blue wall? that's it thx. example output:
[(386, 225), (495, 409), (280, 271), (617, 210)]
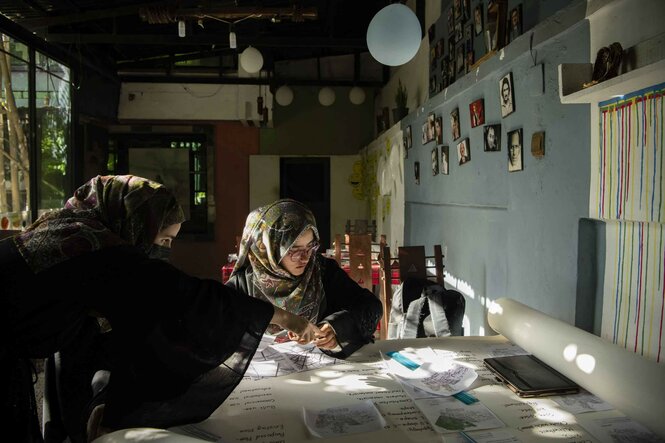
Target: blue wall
[(508, 234)]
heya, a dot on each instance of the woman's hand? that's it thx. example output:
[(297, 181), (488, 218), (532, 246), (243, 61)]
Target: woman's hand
[(299, 328), (327, 339)]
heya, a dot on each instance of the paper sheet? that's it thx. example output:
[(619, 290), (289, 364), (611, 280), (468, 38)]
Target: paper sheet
[(582, 402), (441, 379), (278, 359), (340, 420), (493, 436), (447, 414), (619, 430)]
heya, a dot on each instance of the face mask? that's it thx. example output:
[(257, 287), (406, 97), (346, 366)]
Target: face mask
[(159, 252)]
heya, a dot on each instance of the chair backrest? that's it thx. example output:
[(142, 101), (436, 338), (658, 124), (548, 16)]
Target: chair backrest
[(412, 263), (361, 226)]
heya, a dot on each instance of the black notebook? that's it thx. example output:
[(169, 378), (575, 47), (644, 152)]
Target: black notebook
[(529, 377)]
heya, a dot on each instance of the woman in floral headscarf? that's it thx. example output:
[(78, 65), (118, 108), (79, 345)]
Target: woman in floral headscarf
[(179, 344), (277, 262)]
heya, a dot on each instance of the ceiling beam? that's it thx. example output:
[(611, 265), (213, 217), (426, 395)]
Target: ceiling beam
[(222, 80), (97, 14), (198, 40)]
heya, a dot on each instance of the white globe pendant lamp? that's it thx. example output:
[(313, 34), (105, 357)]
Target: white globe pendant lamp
[(393, 35), (326, 96), (251, 60), (284, 95), (357, 95)]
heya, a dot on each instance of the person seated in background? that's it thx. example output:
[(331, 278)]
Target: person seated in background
[(277, 262), (179, 344)]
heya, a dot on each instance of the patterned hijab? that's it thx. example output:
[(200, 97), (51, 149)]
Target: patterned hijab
[(269, 233), (106, 211)]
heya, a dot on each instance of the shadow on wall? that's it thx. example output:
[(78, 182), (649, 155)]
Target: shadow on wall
[(590, 275)]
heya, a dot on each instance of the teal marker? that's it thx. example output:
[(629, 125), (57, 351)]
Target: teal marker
[(465, 398), (403, 360)]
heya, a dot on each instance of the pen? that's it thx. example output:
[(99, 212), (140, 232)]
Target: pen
[(467, 437)]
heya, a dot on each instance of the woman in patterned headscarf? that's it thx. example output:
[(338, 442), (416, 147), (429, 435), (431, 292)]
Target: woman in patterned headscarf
[(179, 344), (277, 262)]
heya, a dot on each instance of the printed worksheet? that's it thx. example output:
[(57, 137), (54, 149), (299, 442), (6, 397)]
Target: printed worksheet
[(582, 402), (447, 414), (437, 378), (278, 359), (619, 430), (340, 420)]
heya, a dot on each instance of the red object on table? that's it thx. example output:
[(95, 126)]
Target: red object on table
[(227, 269)]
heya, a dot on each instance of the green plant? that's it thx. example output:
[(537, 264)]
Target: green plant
[(401, 96)]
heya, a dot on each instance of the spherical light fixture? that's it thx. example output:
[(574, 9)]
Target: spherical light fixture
[(357, 95), (326, 96), (251, 60), (284, 95), (393, 35)]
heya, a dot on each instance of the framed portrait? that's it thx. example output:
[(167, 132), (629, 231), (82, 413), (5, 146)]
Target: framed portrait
[(443, 167), (438, 129), (458, 32), (424, 139), (431, 123), (432, 84), (463, 153), (468, 31), (478, 19), (515, 157), (466, 10), (407, 136), (454, 124), (477, 112), (506, 96), (431, 33), (451, 20), (495, 27), (439, 48), (406, 147), (435, 161), (451, 46), (492, 138), (432, 55), (457, 7), (451, 70), (514, 25), (469, 60), (416, 172), (460, 58)]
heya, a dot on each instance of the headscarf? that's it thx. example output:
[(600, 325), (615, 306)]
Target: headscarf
[(106, 211), (269, 233)]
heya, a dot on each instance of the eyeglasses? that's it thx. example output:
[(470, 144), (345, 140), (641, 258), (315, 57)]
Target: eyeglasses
[(299, 254)]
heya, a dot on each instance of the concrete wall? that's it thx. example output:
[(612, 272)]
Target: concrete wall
[(508, 234)]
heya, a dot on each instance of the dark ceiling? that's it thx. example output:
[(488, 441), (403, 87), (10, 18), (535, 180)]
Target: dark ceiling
[(131, 38)]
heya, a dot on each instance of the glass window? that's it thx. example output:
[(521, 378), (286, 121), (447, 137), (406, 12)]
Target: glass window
[(14, 129), (53, 130)]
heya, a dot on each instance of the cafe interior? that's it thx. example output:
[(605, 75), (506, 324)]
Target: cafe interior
[(504, 149)]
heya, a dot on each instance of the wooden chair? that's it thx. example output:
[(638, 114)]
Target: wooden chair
[(361, 226), (412, 263), (355, 254)]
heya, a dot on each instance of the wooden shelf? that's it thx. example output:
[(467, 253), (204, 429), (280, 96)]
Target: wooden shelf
[(572, 75)]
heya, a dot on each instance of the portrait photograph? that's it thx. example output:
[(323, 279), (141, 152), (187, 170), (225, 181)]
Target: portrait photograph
[(416, 172), (477, 112), (469, 60), (457, 7), (492, 138), (424, 139), (468, 31), (515, 161), (451, 47), (432, 55), (454, 124), (458, 32), (466, 10), (438, 130), (463, 153), (514, 27), (432, 84), (431, 123), (439, 48), (406, 149), (444, 160), (506, 96), (478, 19), (451, 20), (435, 161), (408, 138), (460, 58)]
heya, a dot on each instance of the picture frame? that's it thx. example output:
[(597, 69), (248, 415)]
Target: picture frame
[(506, 95), (438, 129), (424, 137), (463, 152), (409, 139), (435, 160), (469, 60), (451, 47), (431, 123), (439, 48), (514, 24), (457, 8), (454, 124), (406, 147), (468, 31), (478, 19), (515, 151), (492, 138), (444, 167), (460, 59), (466, 10), (477, 112), (451, 20), (458, 32), (495, 26), (416, 172), (431, 33)]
